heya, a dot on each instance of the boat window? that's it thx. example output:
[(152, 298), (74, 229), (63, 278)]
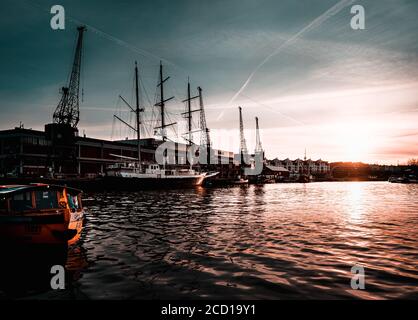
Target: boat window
[(3, 205), (21, 201), (73, 201), (46, 199)]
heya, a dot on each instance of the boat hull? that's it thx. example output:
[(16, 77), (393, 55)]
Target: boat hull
[(133, 183), (47, 229)]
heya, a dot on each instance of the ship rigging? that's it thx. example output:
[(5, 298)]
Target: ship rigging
[(129, 172)]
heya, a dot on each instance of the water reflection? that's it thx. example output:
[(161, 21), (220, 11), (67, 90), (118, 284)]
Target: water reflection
[(354, 201), (25, 271), (263, 242)]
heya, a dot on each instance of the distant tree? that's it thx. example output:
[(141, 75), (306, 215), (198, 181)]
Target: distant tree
[(413, 162)]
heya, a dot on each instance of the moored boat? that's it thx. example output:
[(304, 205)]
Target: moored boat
[(132, 174), (240, 181), (404, 179), (305, 178), (40, 214), (129, 175)]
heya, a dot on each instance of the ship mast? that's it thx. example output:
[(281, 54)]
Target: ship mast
[(137, 112), (161, 104), (188, 114)]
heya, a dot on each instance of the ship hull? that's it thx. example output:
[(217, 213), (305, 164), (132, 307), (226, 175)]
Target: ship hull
[(133, 183)]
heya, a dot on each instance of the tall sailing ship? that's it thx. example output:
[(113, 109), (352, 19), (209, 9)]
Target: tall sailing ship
[(132, 173)]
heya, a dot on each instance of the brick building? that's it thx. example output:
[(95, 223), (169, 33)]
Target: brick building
[(34, 153)]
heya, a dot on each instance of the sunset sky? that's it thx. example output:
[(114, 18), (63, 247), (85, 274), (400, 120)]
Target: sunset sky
[(314, 82)]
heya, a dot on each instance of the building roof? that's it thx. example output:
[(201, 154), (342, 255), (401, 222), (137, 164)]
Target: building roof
[(277, 169), (21, 131)]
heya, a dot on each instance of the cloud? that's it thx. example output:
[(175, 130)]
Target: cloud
[(315, 23)]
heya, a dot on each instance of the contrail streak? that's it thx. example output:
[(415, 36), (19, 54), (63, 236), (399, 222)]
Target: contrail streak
[(315, 23), (109, 37)]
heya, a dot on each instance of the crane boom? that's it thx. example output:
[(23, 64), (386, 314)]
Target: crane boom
[(243, 144), (205, 135), (67, 111), (258, 146)]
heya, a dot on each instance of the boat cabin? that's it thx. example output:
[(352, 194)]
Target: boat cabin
[(19, 199)]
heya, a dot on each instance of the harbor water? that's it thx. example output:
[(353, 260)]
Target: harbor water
[(275, 241)]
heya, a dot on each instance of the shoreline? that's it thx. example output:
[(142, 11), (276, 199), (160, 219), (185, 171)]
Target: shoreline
[(98, 184)]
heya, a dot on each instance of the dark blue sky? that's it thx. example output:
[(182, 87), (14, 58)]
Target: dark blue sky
[(324, 90)]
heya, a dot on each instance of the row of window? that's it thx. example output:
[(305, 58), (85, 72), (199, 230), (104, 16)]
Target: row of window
[(37, 200), (290, 168), (37, 141)]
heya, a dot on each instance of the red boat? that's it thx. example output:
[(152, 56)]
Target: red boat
[(40, 214)]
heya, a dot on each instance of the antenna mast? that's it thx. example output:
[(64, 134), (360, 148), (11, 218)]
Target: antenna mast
[(67, 111), (306, 164)]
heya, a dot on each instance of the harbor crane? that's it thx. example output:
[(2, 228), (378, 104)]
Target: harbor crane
[(243, 151), (205, 136), (67, 111), (258, 146)]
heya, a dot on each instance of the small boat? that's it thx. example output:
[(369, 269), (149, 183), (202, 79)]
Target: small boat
[(305, 178), (40, 214), (241, 181), (404, 179), (394, 179)]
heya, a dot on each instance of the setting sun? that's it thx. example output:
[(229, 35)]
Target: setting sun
[(355, 140)]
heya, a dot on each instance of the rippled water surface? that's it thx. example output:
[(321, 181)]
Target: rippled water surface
[(274, 241)]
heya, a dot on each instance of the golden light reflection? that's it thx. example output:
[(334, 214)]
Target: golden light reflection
[(354, 201)]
